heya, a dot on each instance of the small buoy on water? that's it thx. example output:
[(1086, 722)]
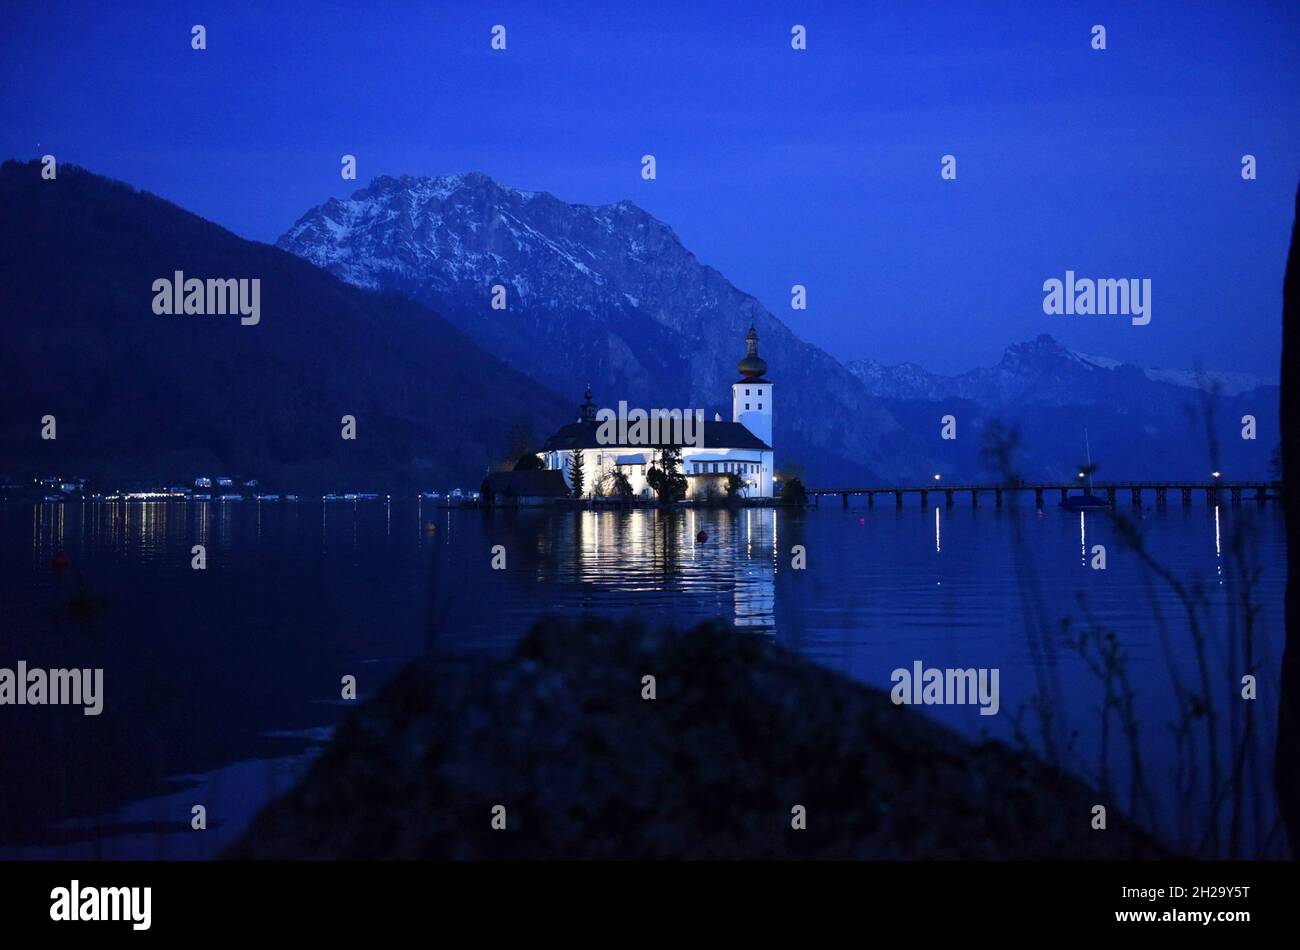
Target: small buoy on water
[(430, 528), (702, 537), (60, 564)]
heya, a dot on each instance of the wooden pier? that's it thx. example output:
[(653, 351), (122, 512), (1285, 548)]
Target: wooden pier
[(1135, 492)]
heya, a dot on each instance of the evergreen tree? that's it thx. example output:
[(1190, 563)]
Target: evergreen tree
[(666, 477), (576, 474), (619, 485), (519, 447), (793, 492)]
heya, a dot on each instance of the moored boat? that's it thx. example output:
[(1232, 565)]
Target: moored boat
[(1087, 501)]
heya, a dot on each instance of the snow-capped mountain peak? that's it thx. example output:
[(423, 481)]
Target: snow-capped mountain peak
[(605, 294)]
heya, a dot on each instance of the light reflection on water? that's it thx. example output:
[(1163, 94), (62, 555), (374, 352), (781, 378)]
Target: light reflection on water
[(200, 666)]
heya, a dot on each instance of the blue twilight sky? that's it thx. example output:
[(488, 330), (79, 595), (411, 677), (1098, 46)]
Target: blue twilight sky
[(776, 167)]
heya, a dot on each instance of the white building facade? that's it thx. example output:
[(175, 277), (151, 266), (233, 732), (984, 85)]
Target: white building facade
[(741, 447)]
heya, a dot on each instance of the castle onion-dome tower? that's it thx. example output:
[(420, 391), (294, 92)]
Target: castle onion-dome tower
[(587, 411), (752, 366), (751, 397)]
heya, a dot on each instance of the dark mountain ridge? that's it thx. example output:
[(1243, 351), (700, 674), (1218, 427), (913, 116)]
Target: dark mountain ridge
[(142, 396)]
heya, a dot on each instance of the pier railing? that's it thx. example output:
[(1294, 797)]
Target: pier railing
[(1213, 491)]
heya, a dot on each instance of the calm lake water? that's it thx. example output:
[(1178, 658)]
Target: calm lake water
[(220, 685)]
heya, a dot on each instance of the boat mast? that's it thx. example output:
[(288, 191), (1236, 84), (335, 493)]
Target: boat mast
[(1088, 449)]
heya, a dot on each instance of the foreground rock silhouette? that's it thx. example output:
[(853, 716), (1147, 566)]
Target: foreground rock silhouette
[(739, 733)]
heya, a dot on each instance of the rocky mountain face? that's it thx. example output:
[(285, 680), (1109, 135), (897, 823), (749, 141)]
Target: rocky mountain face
[(138, 395), (1141, 423), (604, 295)]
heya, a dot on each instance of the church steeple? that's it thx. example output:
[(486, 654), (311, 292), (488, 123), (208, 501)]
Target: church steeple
[(751, 397), (752, 366), (587, 411)]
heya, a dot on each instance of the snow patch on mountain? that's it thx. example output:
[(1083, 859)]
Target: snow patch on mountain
[(1229, 384)]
